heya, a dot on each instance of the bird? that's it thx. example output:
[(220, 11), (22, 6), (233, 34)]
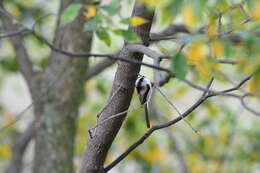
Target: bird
[(144, 89)]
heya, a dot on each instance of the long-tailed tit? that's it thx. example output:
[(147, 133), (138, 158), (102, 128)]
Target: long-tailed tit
[(144, 88)]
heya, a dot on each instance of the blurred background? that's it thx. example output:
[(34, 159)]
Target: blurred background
[(228, 137)]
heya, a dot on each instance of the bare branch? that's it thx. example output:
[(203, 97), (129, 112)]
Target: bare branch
[(146, 51), (21, 141), (88, 55), (15, 33), (37, 99), (206, 94), (176, 109), (175, 148), (225, 61), (17, 118), (164, 80), (244, 104), (212, 92), (170, 31), (98, 68), (157, 127), (22, 56)]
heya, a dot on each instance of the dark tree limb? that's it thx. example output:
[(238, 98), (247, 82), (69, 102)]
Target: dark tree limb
[(207, 93), (98, 146), (157, 127)]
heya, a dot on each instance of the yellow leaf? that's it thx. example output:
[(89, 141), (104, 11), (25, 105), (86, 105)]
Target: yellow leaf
[(188, 16), (215, 166), (14, 11), (212, 109), (180, 92), (223, 6), (204, 69), (137, 21), (199, 167), (254, 85), (90, 12), (88, 86), (154, 3), (5, 152), (197, 52), (192, 158), (256, 11), (209, 143), (224, 134), (155, 155), (212, 28), (217, 48)]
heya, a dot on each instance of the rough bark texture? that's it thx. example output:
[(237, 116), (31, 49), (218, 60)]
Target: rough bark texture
[(19, 145), (98, 146), (54, 142)]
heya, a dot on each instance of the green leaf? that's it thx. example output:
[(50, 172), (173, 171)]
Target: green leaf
[(179, 66), (9, 64), (112, 9), (70, 13), (170, 10), (126, 21), (199, 7), (104, 36), (92, 24), (127, 35), (228, 49)]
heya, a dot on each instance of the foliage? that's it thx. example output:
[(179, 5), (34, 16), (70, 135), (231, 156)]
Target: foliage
[(228, 137)]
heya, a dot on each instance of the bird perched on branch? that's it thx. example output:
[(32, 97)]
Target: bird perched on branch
[(144, 89)]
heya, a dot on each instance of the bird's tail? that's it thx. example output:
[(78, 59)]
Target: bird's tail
[(147, 115)]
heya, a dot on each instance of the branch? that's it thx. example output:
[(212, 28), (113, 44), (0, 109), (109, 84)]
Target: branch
[(98, 146), (36, 100), (138, 48), (225, 61), (88, 55), (206, 94), (164, 80), (98, 68), (175, 148), (19, 146), (15, 33), (170, 31), (244, 104), (17, 118), (22, 56), (157, 127)]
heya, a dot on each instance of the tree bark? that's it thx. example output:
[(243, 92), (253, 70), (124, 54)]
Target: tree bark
[(54, 142), (19, 146), (98, 146)]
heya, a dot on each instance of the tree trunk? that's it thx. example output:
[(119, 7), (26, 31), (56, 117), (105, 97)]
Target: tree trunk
[(54, 142), (123, 85)]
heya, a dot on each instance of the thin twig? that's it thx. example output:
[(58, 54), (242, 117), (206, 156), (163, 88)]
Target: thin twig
[(111, 117), (100, 113), (40, 98), (155, 128), (176, 109)]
